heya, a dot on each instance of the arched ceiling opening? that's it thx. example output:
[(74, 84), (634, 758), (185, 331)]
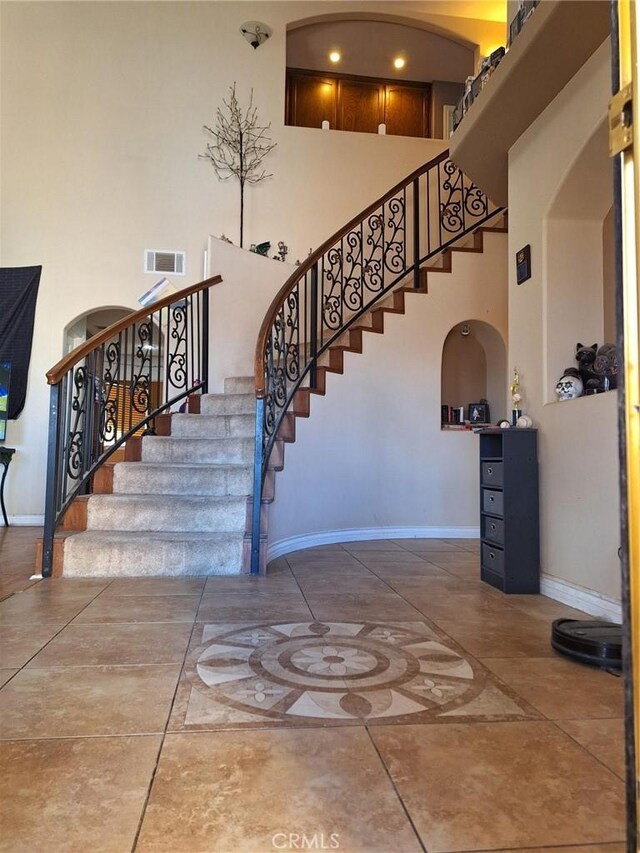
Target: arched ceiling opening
[(368, 47)]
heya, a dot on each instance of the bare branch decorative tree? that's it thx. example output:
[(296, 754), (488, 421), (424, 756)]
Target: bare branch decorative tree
[(239, 146)]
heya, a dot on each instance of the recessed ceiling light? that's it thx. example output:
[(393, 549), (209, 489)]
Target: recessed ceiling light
[(335, 56), (399, 62)]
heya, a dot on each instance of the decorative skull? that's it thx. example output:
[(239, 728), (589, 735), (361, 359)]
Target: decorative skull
[(570, 385)]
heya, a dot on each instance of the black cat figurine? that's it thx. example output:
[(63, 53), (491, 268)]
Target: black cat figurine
[(586, 356), (606, 366)]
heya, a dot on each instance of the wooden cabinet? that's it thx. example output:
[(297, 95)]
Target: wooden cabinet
[(357, 103), (509, 524)]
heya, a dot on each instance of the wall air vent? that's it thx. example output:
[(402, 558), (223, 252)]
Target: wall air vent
[(171, 262)]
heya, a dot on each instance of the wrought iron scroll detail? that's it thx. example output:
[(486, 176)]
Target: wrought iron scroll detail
[(426, 214)]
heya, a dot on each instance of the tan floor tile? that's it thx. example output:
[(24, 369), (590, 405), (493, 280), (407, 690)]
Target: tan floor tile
[(351, 606), (347, 584), (136, 643), (590, 848), (142, 608), (439, 608), (407, 583), (341, 559), (511, 635), (6, 674), (418, 570), (238, 607), (463, 570), (487, 786), (458, 557), (155, 586), (466, 544), (281, 582), (19, 643), (74, 795), (545, 608), (603, 738), (216, 791), (330, 570), (373, 558), (419, 546), (372, 545), (59, 588), (317, 549), (77, 701), (562, 689), (26, 609)]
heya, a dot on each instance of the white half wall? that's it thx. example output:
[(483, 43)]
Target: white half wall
[(372, 454), (579, 507)]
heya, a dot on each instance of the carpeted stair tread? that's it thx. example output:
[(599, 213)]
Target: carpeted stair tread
[(96, 553), (155, 513), (183, 478)]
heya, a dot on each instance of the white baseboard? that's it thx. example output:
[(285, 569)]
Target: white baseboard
[(26, 520), (591, 602), (365, 534)]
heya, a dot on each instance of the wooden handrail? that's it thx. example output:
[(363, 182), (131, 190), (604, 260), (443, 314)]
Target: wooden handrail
[(65, 364), (304, 268)]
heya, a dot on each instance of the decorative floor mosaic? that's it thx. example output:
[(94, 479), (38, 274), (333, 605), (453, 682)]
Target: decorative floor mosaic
[(333, 673)]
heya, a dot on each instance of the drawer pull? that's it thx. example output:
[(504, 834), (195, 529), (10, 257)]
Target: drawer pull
[(492, 526), (492, 555), (491, 498), (489, 471)]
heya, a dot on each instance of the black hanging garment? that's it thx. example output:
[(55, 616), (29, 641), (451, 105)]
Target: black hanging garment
[(18, 294)]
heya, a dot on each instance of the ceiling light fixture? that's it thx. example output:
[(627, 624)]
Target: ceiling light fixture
[(399, 62), (335, 56), (255, 33)]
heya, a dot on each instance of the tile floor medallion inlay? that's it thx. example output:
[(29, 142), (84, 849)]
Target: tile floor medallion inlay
[(334, 673)]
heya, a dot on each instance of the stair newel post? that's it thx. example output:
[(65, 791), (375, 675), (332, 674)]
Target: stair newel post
[(53, 471), (204, 375), (313, 323), (257, 488), (416, 232)]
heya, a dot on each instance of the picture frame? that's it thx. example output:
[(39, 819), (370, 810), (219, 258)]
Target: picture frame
[(478, 413), (5, 376)]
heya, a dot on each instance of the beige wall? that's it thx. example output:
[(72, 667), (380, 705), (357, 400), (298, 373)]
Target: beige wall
[(372, 454), (577, 439), (102, 111)]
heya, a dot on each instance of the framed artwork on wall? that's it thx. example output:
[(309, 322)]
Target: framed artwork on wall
[(479, 413)]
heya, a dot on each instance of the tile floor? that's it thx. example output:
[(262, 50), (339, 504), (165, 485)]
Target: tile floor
[(372, 697)]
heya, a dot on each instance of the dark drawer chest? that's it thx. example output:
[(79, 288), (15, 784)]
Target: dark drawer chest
[(509, 524)]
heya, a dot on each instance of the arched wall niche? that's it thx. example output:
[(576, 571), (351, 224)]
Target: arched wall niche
[(474, 366), (578, 257)]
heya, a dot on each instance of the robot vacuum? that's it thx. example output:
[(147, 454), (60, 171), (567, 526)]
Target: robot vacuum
[(594, 642)]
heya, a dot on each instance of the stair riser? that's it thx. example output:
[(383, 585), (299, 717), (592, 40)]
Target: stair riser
[(233, 404), (184, 450), (164, 480), (172, 514), (213, 426), (239, 385), (164, 559)]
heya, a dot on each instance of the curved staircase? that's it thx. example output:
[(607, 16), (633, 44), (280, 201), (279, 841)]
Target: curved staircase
[(184, 499)]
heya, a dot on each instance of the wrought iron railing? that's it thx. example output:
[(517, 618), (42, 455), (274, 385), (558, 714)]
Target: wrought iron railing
[(113, 387), (379, 250)]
